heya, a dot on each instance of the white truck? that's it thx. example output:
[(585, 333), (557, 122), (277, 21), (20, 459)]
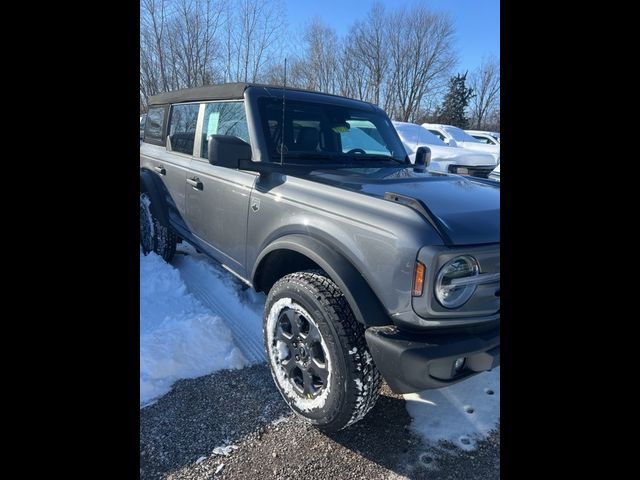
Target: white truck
[(444, 158)]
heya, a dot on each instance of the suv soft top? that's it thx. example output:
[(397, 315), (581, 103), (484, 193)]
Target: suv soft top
[(227, 91), (224, 91)]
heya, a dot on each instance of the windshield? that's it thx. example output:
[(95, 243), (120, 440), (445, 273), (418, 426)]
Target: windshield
[(460, 135), (414, 136), (327, 133)]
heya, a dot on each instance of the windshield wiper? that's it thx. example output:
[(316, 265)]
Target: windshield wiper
[(310, 156), (375, 157)]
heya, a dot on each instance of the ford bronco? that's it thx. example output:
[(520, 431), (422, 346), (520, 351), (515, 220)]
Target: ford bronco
[(374, 268)]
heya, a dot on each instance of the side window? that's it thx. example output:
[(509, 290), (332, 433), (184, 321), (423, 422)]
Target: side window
[(483, 140), (153, 125), (223, 118), (182, 127), (437, 134)]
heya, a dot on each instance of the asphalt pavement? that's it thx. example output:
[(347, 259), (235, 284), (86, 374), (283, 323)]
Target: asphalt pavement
[(233, 424)]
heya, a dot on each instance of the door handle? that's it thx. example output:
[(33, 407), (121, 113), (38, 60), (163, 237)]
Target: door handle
[(160, 170), (195, 183)]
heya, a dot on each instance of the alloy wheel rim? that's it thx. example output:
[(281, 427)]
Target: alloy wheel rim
[(301, 354)]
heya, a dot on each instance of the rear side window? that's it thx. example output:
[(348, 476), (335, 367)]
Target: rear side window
[(154, 125), (182, 127), (223, 118)]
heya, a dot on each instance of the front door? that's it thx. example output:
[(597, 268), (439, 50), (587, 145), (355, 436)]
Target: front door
[(218, 197)]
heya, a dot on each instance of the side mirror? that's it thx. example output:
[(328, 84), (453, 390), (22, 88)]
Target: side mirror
[(227, 151), (423, 159)]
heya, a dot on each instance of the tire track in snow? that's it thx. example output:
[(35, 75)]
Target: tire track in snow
[(219, 291)]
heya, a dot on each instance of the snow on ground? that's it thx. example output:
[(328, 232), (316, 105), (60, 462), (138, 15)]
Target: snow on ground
[(223, 294), (462, 413), (179, 337), (196, 318)]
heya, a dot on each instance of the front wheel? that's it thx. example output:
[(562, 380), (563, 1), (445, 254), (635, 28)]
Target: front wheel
[(317, 352)]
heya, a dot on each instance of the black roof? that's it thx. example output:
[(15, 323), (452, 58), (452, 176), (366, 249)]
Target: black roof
[(224, 91)]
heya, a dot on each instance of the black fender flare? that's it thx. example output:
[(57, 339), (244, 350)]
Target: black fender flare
[(364, 303), (152, 185)]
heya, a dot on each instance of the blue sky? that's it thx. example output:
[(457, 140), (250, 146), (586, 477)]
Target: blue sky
[(477, 22)]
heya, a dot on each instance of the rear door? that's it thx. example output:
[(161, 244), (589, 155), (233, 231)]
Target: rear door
[(157, 155), (218, 197)]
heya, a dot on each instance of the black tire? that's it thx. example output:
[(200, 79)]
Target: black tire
[(155, 237), (347, 387)]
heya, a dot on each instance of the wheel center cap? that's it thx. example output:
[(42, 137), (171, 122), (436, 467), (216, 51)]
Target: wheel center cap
[(303, 352)]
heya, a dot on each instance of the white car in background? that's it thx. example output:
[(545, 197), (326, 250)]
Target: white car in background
[(456, 137), (489, 138), (444, 158)]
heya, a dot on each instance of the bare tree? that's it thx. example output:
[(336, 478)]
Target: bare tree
[(370, 50), (297, 75), (351, 82), (189, 43), (399, 60), (253, 31), (485, 82), (152, 56), (321, 63), (192, 42), (422, 56)]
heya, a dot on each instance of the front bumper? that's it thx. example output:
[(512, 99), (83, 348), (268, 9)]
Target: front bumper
[(411, 362)]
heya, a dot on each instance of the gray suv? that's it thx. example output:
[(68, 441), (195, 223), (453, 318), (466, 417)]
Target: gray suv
[(373, 267)]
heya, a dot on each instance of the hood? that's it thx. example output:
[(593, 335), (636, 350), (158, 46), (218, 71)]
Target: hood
[(466, 209), (480, 147)]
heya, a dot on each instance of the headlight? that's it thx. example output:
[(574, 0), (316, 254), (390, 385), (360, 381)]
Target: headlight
[(453, 288)]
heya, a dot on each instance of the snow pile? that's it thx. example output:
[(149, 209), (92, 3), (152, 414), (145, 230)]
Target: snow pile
[(223, 295), (462, 413), (224, 450), (179, 337)]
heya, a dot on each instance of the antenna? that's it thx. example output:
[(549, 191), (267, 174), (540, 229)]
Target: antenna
[(284, 86)]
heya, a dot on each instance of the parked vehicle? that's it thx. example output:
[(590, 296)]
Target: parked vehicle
[(457, 137), (490, 138), (444, 158), (373, 267), (495, 175)]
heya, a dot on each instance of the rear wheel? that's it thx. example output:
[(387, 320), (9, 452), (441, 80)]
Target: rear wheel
[(155, 237), (317, 353)]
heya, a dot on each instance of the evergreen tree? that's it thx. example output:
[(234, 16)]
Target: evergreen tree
[(455, 102)]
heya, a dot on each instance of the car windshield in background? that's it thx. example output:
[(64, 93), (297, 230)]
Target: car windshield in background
[(460, 135), (325, 133), (414, 136)]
